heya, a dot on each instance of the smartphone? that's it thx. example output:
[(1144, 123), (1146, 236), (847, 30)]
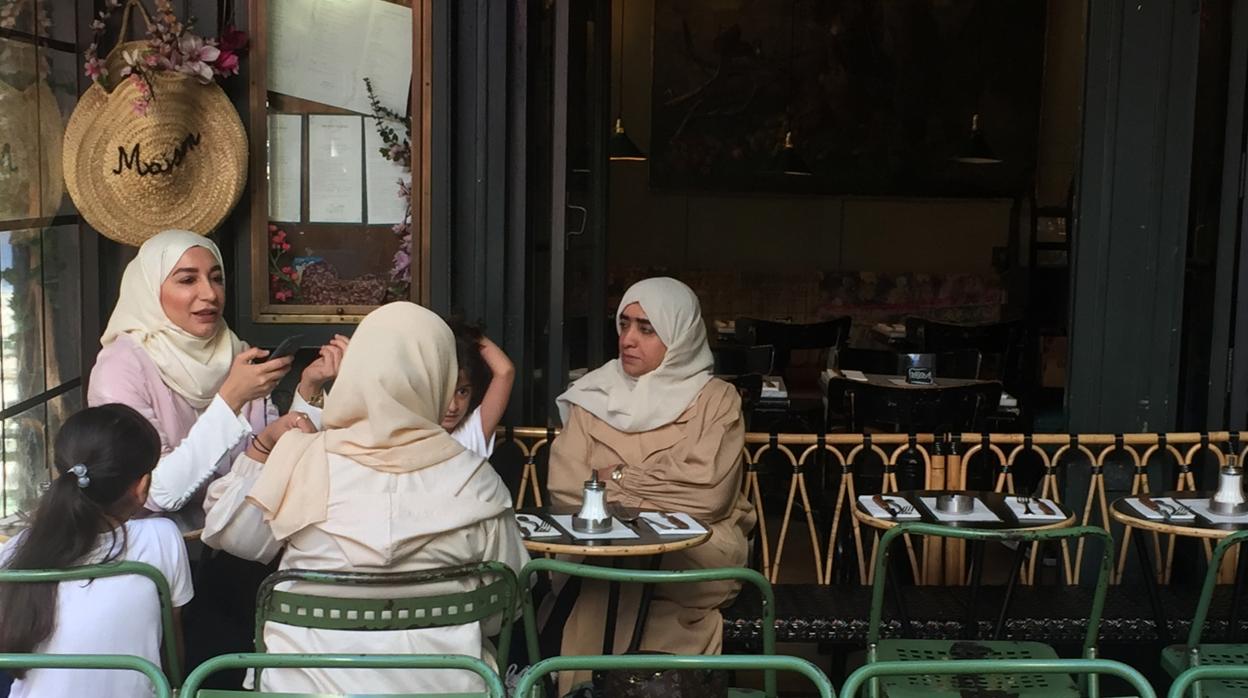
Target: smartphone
[(286, 347)]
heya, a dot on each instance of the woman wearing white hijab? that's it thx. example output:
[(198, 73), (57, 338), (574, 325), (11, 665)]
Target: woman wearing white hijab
[(383, 489), (168, 353), (665, 435)]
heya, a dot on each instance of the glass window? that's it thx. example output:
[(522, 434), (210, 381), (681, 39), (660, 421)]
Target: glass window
[(25, 458), (40, 245), (21, 316)]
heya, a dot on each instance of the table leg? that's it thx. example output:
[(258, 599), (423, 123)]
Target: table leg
[(977, 572), (1154, 594), (643, 608), (1237, 595), (613, 607), (1019, 559), (894, 582)]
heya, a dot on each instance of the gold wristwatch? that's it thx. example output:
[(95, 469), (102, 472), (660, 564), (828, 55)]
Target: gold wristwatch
[(617, 473), (317, 400)]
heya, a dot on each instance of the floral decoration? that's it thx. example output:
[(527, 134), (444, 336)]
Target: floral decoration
[(171, 46), (283, 279), (397, 150)]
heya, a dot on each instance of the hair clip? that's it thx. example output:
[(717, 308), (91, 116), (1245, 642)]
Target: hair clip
[(80, 470)]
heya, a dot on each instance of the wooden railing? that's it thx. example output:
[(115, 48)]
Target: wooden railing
[(839, 463)]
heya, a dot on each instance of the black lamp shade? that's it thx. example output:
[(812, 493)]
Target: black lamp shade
[(791, 163), (622, 148), (975, 149)]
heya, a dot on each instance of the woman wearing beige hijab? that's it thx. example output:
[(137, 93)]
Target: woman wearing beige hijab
[(383, 489), (168, 354), (665, 435)]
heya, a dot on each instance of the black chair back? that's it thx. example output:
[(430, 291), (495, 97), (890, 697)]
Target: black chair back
[(786, 337), (866, 360), (1001, 344), (963, 408)]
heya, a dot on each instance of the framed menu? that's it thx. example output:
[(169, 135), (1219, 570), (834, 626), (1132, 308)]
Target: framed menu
[(335, 230)]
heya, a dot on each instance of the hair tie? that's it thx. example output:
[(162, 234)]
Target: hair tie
[(80, 469)]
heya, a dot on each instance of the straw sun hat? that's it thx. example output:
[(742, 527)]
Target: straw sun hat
[(182, 165)]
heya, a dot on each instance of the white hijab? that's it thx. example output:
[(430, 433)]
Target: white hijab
[(192, 367), (634, 405)]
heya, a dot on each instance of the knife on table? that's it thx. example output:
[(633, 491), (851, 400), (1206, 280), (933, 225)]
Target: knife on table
[(680, 525), (885, 505), (1148, 502), (1044, 507)]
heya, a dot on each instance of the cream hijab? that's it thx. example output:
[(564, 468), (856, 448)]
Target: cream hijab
[(384, 413), (634, 405), (192, 367)]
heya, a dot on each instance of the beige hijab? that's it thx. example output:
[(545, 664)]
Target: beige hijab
[(192, 367), (634, 405), (384, 413)]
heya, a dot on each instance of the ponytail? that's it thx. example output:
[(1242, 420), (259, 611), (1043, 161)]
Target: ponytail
[(100, 453)]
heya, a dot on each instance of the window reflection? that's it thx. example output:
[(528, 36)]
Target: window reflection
[(21, 316), (25, 459)]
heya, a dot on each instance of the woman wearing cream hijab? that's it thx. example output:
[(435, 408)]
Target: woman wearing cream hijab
[(666, 436), (169, 354), (383, 489)]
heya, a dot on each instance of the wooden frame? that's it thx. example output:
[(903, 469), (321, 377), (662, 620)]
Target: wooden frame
[(262, 309)]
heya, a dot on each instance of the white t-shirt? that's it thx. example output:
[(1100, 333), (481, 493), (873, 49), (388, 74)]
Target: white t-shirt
[(471, 436), (113, 615)]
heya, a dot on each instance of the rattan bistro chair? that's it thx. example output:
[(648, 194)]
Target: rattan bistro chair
[(169, 645), (496, 596), (971, 675), (926, 651), (355, 662), (1177, 658), (119, 662)]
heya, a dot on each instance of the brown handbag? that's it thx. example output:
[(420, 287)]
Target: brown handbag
[(671, 683)]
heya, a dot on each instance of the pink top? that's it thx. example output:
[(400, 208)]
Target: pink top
[(195, 444)]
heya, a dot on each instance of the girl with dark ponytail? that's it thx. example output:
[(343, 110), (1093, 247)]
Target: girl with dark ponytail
[(104, 457)]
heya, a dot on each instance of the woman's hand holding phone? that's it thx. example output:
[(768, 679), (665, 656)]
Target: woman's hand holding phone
[(248, 381)]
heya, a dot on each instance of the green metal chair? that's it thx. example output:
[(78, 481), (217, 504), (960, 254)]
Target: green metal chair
[(1229, 678), (610, 574), (528, 682), (169, 645), (498, 595), (121, 662), (1176, 658), (493, 684), (971, 674), (1046, 684)]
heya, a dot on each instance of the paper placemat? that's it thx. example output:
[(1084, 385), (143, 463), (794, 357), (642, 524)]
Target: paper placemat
[(1201, 506), (663, 527), (529, 523), (979, 512), (1037, 514), (1177, 516), (618, 530), (878, 511)]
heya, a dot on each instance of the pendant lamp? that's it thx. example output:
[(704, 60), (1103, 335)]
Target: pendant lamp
[(975, 149), (620, 147)]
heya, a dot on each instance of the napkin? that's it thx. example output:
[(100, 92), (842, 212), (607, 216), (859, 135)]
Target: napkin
[(1164, 502), (663, 527), (867, 501), (1037, 514), (528, 524)]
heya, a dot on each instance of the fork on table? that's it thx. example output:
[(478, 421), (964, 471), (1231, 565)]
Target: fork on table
[(1026, 502)]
